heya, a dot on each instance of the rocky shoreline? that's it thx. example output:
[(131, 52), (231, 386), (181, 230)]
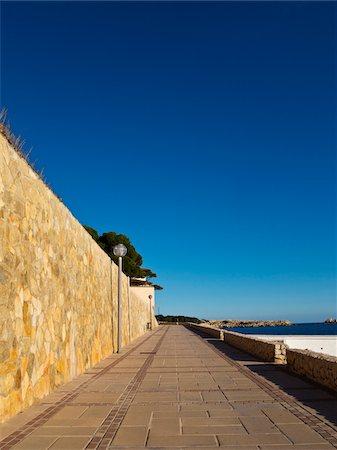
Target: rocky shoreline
[(247, 323), (330, 321)]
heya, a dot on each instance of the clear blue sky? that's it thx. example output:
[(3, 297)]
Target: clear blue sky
[(206, 132)]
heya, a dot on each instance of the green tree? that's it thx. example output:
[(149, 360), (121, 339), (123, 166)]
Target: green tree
[(93, 233), (132, 262)]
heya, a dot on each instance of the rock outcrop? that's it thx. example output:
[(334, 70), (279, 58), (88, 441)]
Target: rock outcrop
[(247, 323), (330, 320)]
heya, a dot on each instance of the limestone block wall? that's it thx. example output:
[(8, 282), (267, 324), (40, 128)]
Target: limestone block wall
[(215, 332), (58, 291), (316, 366), (266, 350)]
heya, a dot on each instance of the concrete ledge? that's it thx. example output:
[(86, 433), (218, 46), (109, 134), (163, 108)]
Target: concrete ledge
[(315, 366)]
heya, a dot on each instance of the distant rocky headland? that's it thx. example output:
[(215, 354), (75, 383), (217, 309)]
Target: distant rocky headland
[(247, 323), (330, 321)]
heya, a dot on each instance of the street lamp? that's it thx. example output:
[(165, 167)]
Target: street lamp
[(119, 250), (150, 297)]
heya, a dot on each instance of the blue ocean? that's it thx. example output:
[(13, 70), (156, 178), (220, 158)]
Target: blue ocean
[(296, 329)]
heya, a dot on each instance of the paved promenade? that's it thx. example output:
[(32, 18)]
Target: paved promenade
[(175, 389)]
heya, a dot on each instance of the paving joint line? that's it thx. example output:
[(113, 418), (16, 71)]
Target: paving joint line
[(276, 393), (111, 425)]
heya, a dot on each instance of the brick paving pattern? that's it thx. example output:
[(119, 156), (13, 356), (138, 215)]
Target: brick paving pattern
[(175, 389)]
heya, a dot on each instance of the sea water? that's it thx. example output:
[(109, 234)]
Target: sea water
[(311, 329), (317, 337)]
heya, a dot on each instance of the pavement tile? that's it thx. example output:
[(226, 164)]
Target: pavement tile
[(248, 409), (205, 386), (222, 413), (165, 427), (193, 448), (177, 441), (258, 425), (187, 385), (205, 406), (133, 418), (214, 429), (64, 431), (96, 411), (209, 421), (70, 412), (298, 447), (283, 379), (152, 407), (213, 396), (6, 430), (252, 439), (167, 387), (281, 415), (130, 436), (155, 397), (229, 447), (35, 443), (257, 394), (300, 434), (80, 422), (70, 443), (190, 397), (169, 414), (95, 397)]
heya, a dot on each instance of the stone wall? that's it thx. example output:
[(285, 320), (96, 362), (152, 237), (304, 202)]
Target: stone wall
[(145, 292), (267, 351), (317, 367), (58, 291), (215, 332)]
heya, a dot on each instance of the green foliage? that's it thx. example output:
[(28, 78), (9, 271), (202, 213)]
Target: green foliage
[(93, 233), (162, 318), (132, 262), (157, 287)]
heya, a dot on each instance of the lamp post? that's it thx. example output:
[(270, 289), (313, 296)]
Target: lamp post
[(119, 250), (150, 298)]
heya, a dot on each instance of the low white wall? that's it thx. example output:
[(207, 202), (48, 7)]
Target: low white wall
[(144, 292), (320, 344)]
